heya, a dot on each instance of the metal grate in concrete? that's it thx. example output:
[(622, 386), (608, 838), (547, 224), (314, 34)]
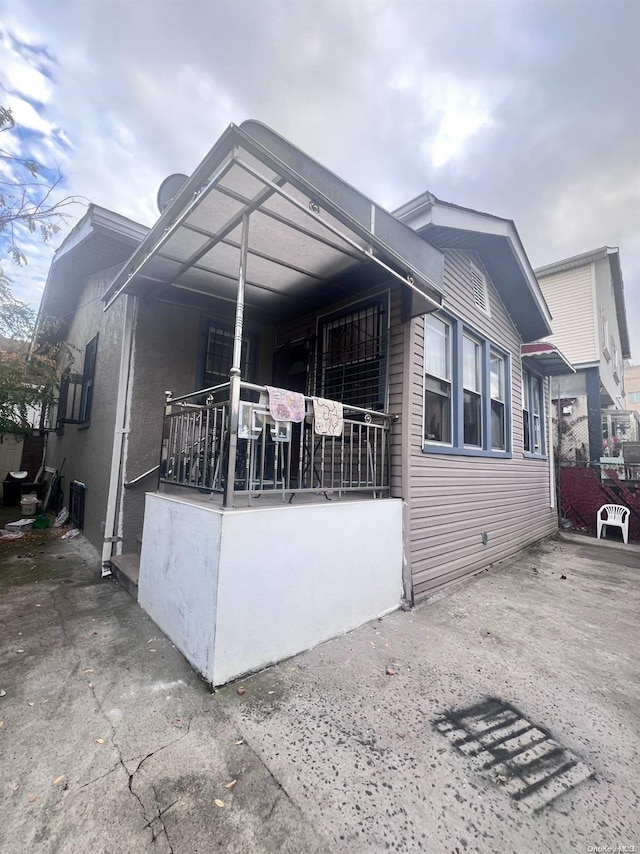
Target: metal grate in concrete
[(523, 758)]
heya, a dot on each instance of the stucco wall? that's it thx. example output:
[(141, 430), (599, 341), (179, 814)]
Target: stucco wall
[(86, 451), (167, 348), (259, 585)]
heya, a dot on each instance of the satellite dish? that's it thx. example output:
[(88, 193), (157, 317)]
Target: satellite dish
[(169, 189)]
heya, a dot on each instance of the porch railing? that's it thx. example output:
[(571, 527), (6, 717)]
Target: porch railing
[(271, 456)]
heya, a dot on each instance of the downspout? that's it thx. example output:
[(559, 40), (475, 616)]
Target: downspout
[(551, 454), (118, 435)]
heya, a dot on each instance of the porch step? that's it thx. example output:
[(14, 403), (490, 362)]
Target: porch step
[(126, 569)]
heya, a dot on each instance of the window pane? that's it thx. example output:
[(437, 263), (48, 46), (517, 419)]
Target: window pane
[(525, 390), (535, 385), (472, 413), (437, 348), (437, 411), (526, 429), (497, 377), (536, 434), (471, 364), (497, 425)]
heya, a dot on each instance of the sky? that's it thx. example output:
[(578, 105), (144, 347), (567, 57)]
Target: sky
[(527, 109)]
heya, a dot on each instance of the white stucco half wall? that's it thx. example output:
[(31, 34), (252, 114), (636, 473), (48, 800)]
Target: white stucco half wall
[(178, 582), (237, 590)]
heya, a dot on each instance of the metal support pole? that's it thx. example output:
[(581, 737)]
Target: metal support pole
[(235, 374)]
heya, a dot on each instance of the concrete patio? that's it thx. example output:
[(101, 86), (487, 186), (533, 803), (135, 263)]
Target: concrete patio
[(109, 739)]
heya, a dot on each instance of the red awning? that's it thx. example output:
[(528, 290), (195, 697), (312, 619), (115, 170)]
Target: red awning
[(547, 359)]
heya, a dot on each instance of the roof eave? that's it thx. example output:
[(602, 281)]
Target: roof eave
[(431, 211)]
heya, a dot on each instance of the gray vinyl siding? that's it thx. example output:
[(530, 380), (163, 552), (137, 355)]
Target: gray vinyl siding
[(453, 499), (86, 451)]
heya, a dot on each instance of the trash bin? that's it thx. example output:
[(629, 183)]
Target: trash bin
[(29, 505), (12, 487)]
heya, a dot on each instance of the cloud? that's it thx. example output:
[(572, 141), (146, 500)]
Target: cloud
[(525, 109)]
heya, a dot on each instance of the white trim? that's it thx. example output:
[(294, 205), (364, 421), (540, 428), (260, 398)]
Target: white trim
[(463, 219), (450, 380)]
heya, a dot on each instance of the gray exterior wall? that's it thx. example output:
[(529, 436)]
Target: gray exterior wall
[(86, 451), (453, 499), (166, 356)]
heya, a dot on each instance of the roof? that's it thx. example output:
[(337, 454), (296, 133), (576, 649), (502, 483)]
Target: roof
[(497, 243), (613, 254), (308, 231), (99, 240), (547, 358)]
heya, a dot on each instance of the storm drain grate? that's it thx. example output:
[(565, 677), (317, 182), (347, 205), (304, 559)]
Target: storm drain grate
[(531, 767)]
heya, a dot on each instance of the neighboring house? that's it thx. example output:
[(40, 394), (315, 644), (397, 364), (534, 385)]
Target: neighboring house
[(632, 387), (585, 295), (262, 536)]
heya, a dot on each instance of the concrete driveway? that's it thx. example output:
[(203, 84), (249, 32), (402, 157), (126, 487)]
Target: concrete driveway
[(503, 717)]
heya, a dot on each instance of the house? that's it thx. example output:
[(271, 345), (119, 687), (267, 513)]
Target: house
[(403, 445), (585, 294), (632, 387)]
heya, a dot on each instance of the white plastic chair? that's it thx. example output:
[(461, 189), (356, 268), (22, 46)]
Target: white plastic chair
[(616, 515)]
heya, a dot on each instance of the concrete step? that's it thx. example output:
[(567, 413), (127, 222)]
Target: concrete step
[(126, 569)]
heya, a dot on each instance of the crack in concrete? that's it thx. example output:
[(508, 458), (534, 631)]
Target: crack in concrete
[(161, 819), (158, 749), (112, 737), (101, 777)]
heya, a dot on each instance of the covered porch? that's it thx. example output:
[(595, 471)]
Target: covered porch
[(310, 285)]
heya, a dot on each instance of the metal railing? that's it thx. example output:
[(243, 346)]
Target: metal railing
[(271, 456)]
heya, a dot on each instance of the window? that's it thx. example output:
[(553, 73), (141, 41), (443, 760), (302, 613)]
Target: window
[(437, 380), (76, 390), (634, 396), (605, 335), (472, 392), (466, 391), (353, 356), (88, 375), (614, 355), (498, 420), (219, 354), (532, 413)]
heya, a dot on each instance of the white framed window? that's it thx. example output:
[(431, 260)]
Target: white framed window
[(532, 413), (472, 391), (438, 413), (497, 378)]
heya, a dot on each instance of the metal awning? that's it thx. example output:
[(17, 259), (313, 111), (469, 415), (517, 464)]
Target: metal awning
[(547, 359), (307, 230)]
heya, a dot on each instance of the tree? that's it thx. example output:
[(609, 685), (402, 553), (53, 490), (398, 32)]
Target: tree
[(29, 205)]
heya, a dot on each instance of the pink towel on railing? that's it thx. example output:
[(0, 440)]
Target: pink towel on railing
[(328, 417), (286, 405)]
